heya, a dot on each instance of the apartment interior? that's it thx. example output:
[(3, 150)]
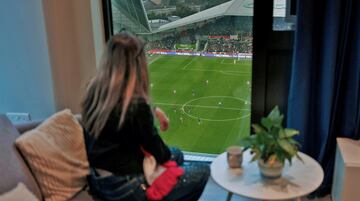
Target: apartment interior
[(50, 50)]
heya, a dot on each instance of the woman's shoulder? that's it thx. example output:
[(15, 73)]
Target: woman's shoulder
[(139, 105), (135, 103), (140, 109), (139, 102)]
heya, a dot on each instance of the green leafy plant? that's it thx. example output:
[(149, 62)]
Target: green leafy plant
[(271, 142)]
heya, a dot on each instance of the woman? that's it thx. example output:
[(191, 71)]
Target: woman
[(118, 120)]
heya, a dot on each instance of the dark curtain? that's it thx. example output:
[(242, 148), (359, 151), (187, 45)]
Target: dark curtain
[(324, 96)]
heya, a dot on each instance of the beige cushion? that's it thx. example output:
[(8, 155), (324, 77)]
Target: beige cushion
[(19, 193), (55, 152)]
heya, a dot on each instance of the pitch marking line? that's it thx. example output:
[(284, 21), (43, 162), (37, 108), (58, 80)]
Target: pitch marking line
[(219, 120), (202, 106), (228, 63), (152, 61), (234, 73), (192, 60), (215, 107)]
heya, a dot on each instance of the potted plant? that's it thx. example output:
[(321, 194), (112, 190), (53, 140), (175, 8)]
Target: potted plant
[(271, 144)]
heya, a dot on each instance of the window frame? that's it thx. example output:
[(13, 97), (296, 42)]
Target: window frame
[(263, 34)]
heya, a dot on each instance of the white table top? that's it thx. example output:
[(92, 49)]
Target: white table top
[(298, 180), (350, 151)]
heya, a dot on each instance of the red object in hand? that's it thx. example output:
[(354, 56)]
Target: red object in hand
[(164, 183), (163, 119)]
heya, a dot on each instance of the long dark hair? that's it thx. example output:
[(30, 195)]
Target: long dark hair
[(122, 75)]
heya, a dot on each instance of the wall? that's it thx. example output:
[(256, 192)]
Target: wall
[(49, 50), (25, 74), (72, 34)]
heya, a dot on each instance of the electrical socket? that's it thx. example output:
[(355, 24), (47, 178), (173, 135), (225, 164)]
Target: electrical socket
[(18, 117)]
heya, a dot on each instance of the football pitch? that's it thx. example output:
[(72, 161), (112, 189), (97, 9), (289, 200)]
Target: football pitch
[(206, 99)]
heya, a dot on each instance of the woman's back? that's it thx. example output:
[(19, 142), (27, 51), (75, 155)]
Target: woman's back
[(118, 149)]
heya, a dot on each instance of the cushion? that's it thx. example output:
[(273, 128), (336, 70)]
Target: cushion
[(55, 152), (19, 193)]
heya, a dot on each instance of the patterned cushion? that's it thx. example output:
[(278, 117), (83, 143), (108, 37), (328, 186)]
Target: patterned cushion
[(55, 152)]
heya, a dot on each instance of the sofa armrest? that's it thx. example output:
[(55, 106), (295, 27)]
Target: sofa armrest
[(23, 127), (13, 168)]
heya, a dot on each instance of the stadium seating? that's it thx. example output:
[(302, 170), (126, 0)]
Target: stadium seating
[(208, 35)]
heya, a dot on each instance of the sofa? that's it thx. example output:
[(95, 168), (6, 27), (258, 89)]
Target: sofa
[(13, 168)]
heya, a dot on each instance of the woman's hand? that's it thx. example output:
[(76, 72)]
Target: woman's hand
[(163, 119)]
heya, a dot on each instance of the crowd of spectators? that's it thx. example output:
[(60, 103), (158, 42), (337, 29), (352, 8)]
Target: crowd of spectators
[(217, 36), (222, 44), (166, 43), (229, 46)]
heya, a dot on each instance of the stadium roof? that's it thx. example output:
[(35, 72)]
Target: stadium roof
[(130, 15), (231, 8)]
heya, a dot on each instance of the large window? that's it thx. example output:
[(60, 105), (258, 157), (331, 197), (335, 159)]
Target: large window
[(200, 63)]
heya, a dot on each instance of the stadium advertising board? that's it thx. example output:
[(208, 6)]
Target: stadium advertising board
[(185, 46), (206, 54)]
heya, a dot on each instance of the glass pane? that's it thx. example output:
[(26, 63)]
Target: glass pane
[(283, 16), (199, 55)]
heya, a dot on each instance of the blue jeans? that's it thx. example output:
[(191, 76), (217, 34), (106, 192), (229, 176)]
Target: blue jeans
[(131, 187)]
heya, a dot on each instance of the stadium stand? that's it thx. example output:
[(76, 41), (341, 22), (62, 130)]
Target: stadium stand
[(222, 29)]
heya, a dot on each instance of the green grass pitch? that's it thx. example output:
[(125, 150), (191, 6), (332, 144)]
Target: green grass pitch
[(206, 99)]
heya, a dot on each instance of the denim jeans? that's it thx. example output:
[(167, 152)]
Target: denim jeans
[(131, 187)]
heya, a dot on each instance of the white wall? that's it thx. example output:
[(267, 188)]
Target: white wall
[(49, 50), (25, 75)]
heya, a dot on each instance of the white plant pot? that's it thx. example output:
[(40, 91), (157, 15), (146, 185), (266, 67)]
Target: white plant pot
[(272, 171)]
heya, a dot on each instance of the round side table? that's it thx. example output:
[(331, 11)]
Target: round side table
[(297, 180)]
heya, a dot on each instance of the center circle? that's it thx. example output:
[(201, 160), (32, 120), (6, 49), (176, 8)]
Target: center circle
[(218, 103)]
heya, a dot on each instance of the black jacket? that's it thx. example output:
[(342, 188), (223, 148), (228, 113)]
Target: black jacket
[(118, 150)]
